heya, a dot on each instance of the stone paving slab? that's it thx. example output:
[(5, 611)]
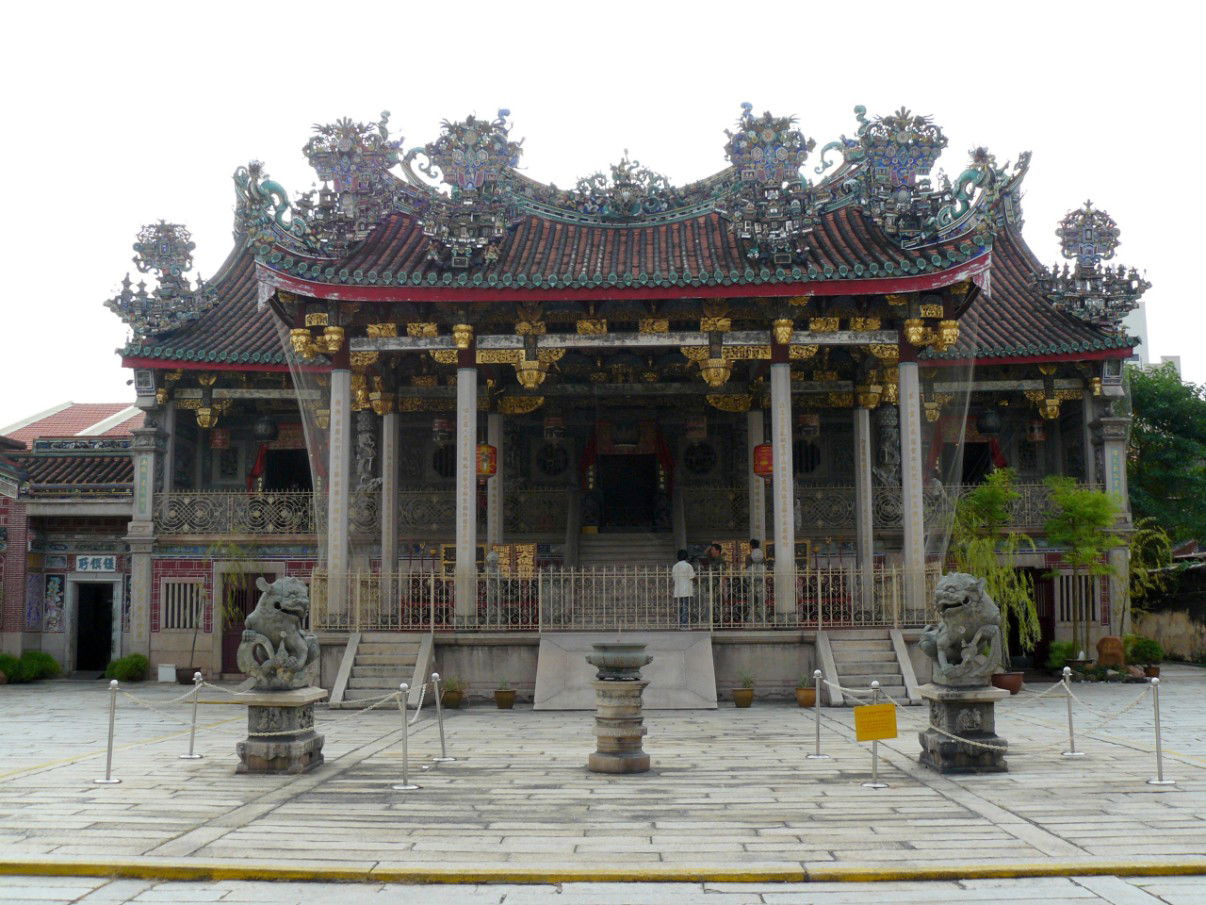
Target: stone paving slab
[(1104, 890), (730, 789)]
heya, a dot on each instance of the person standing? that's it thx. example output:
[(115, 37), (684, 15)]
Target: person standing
[(683, 575)]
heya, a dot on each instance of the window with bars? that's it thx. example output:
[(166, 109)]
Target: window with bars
[(182, 603)]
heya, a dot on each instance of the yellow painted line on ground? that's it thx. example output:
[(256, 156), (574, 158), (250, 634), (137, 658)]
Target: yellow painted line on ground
[(193, 870), (100, 753)]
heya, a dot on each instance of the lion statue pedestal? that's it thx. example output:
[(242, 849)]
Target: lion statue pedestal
[(282, 659), (966, 648)]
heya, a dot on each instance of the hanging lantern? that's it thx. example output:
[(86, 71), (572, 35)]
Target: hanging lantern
[(265, 430), (219, 438), (989, 422), (1035, 432), (715, 371), (764, 461), (809, 424), (207, 417), (487, 462), (441, 431)]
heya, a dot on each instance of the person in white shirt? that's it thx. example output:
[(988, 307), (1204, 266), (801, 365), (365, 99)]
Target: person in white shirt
[(684, 587)]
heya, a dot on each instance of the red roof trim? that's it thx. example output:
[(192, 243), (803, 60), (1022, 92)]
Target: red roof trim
[(345, 293), (1099, 355)]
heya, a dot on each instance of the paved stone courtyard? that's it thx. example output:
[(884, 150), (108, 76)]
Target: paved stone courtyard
[(730, 791)]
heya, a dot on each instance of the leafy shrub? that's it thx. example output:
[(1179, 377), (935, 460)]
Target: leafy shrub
[(1143, 651), (1060, 653), (133, 668), (36, 664), (452, 684), (11, 667)]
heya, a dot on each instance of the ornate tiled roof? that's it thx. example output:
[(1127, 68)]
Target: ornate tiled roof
[(1013, 319), (77, 418), (80, 474)]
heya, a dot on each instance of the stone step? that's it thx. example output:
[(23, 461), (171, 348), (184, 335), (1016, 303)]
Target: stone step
[(877, 657), (861, 644), (858, 634), (384, 683), (863, 680), (397, 660), (367, 694), (382, 671), (378, 647)]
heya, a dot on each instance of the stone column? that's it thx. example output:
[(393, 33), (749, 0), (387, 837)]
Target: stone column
[(389, 507), (757, 486), (466, 490), (169, 453), (912, 485), (140, 534), (863, 510), (339, 438), (782, 489), (494, 487), (1115, 433), (1086, 412)]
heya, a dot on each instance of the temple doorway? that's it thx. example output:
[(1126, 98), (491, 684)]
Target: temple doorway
[(93, 625), (287, 470), (628, 488)]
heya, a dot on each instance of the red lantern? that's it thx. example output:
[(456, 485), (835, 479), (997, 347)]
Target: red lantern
[(487, 462), (219, 438), (764, 461)]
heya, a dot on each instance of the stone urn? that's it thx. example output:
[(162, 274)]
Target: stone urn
[(619, 719)]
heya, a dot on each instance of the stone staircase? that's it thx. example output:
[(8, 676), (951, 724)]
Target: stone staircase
[(623, 548), (859, 656), (375, 663)]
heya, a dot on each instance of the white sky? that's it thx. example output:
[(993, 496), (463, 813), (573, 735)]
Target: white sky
[(118, 114)]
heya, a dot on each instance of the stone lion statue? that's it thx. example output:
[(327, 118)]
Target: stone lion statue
[(966, 642), (275, 651)]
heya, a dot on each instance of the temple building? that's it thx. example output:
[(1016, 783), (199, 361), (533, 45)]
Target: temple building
[(466, 404)]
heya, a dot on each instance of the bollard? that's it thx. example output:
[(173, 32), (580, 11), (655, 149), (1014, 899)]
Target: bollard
[(875, 783), (1071, 752), (192, 733), (109, 780), (406, 785), (817, 676), (435, 687), (1159, 779)]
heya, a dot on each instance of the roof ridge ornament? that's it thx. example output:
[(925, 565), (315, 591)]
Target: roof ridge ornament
[(263, 214), (633, 191), (167, 249), (1095, 293)]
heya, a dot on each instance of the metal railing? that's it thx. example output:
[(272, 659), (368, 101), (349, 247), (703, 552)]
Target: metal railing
[(619, 599), (213, 512)]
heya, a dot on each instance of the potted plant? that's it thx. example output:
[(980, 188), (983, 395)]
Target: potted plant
[(806, 694), (1058, 655), (1145, 652), (452, 692), (744, 696), (504, 695)]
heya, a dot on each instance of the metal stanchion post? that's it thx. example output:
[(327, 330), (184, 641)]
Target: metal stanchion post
[(109, 780), (1071, 752), (406, 785), (817, 677), (435, 688), (875, 783), (192, 732), (1159, 779)]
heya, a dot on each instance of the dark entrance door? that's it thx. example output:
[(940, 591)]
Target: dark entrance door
[(1044, 601), (628, 487), (238, 598), (287, 470), (93, 625)]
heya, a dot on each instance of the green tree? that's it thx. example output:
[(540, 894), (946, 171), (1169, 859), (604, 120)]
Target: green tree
[(1082, 522), (981, 546), (1166, 468)]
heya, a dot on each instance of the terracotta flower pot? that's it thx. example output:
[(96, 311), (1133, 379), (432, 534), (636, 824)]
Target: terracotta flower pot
[(1151, 672), (1010, 681), (806, 697), (504, 698), (743, 697), (451, 700)]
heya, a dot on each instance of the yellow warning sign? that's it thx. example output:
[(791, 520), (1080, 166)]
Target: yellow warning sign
[(874, 722)]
